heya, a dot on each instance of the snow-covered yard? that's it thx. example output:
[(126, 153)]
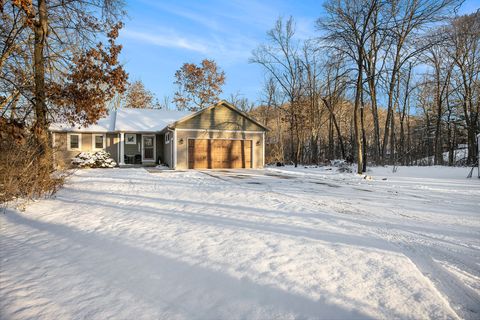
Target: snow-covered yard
[(275, 243)]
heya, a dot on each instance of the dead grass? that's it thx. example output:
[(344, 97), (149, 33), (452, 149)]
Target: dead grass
[(26, 173)]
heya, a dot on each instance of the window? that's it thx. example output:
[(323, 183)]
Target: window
[(98, 141), (74, 141), (167, 138), (130, 138)]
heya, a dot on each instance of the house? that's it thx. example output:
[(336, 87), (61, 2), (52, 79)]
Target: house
[(219, 136)]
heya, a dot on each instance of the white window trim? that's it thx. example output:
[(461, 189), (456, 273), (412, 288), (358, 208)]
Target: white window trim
[(167, 138), (79, 141), (104, 136), (134, 138)]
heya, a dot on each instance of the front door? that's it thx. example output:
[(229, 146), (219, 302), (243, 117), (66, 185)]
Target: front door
[(148, 148)]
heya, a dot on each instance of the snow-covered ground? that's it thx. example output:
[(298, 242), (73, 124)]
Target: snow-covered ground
[(459, 156), (267, 244)]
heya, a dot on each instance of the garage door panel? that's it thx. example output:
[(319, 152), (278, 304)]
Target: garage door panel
[(219, 153)]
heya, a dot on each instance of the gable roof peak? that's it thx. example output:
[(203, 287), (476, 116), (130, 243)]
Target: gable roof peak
[(219, 103)]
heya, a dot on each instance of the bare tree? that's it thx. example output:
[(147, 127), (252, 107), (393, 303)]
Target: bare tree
[(442, 69), (407, 19), (347, 27), (465, 52), (280, 57), (241, 102), (333, 95)]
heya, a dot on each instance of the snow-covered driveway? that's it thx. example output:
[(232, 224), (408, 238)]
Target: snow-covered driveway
[(307, 243)]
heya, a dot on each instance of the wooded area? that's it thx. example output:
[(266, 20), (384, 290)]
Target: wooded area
[(385, 82)]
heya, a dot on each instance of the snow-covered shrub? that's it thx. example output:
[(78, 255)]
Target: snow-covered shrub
[(99, 159), (337, 162), (341, 165)]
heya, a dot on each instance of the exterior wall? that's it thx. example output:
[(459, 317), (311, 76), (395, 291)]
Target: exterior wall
[(220, 117), (132, 149), (112, 145), (183, 136), (159, 148), (63, 156)]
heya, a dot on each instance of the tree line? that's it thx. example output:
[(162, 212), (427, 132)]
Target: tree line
[(384, 82)]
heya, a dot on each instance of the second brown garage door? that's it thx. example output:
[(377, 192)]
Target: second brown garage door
[(218, 153)]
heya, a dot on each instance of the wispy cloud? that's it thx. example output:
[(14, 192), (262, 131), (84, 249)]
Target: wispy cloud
[(183, 12), (167, 39), (236, 48)]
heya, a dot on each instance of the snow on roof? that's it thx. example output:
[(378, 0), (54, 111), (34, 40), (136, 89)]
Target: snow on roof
[(105, 124), (128, 120), (146, 120)]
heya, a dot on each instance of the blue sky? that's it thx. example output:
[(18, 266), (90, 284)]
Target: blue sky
[(160, 35)]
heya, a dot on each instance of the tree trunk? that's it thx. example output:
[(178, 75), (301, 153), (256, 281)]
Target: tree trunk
[(331, 145), (451, 143), (337, 127), (364, 140), (358, 137), (364, 135), (438, 157), (392, 138), (292, 140), (41, 124), (376, 126), (391, 91)]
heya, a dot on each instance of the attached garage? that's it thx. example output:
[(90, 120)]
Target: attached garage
[(218, 137), (219, 153)]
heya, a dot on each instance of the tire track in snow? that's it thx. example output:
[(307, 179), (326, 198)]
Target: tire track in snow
[(459, 298)]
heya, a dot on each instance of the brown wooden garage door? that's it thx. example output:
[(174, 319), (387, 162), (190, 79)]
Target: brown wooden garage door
[(217, 153)]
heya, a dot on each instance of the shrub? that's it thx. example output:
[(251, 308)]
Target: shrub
[(99, 159), (25, 171)]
